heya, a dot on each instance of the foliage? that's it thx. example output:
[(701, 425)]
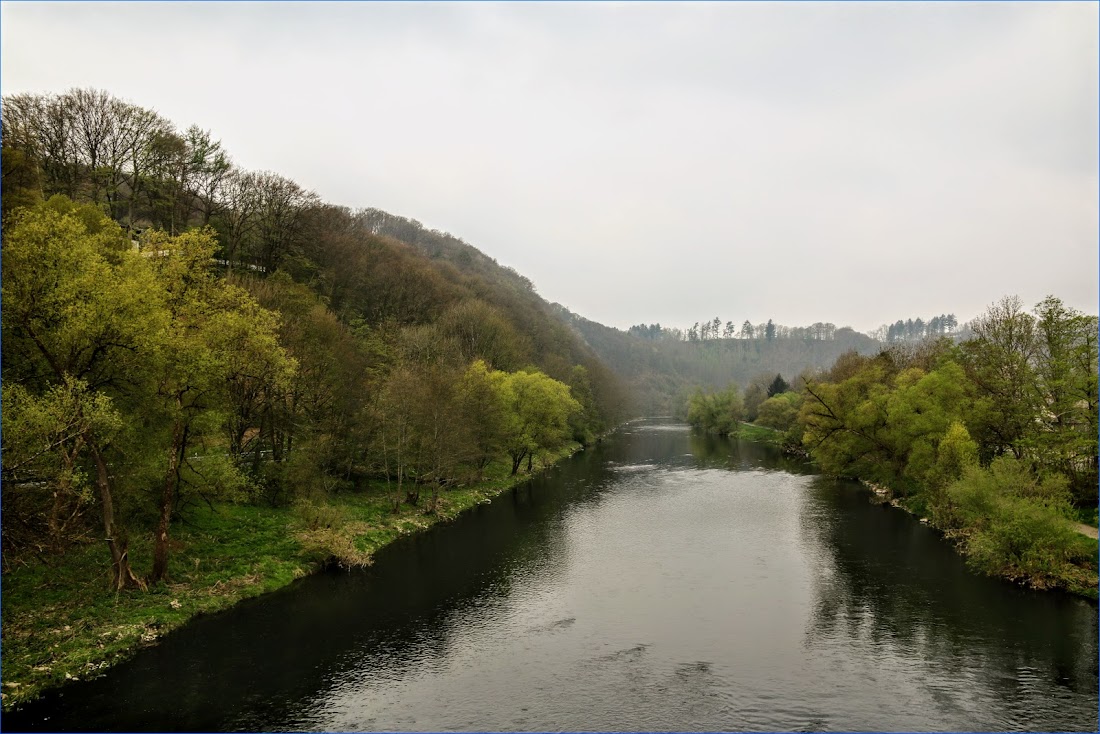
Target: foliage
[(537, 410), (81, 308), (755, 395), (586, 424), (780, 412), (777, 386), (44, 443), (718, 412), (884, 424), (1016, 525), (994, 439), (151, 333)]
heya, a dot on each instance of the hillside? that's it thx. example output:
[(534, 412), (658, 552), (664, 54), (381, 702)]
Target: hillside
[(222, 334), (662, 368)]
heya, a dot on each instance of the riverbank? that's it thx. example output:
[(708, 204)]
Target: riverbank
[(1065, 573), (753, 432), (1065, 576), (60, 624)]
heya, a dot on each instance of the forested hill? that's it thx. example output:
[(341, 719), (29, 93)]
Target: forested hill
[(177, 329), (508, 290), (663, 366), (369, 268)]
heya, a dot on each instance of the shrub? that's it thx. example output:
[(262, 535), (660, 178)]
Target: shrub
[(780, 412), (716, 412), (318, 515), (328, 535), (1016, 524)]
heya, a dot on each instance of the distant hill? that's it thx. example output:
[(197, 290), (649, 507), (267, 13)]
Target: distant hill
[(660, 371)]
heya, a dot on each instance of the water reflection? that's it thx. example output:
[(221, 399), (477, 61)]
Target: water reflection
[(894, 587), (719, 452)]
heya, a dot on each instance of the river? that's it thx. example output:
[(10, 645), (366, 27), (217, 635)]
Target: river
[(661, 580)]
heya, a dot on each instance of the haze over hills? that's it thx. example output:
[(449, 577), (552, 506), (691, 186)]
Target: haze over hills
[(659, 368)]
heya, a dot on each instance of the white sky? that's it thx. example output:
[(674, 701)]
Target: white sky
[(854, 163)]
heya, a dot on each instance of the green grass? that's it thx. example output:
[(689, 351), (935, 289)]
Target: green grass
[(61, 623), (753, 432)]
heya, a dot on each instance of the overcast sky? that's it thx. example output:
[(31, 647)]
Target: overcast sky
[(854, 163)]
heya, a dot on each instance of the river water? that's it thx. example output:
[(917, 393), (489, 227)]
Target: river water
[(659, 581)]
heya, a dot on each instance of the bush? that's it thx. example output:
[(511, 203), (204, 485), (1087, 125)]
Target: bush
[(716, 412), (1021, 536), (328, 535), (1017, 525), (780, 412), (318, 515)]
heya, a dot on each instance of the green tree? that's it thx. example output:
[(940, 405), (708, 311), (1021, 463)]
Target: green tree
[(1000, 360), (217, 341), (44, 451), (21, 183), (883, 425), (956, 454), (538, 408), (398, 443), (483, 410), (718, 412), (755, 395), (1017, 525), (780, 411), (777, 386), (1066, 371), (444, 434), (321, 412), (80, 307), (585, 424)]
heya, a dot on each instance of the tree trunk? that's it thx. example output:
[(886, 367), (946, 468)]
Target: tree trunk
[(435, 496), (171, 478), (64, 498), (397, 495), (120, 562), (123, 575)]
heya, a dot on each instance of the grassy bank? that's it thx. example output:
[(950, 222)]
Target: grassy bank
[(753, 432), (60, 624)]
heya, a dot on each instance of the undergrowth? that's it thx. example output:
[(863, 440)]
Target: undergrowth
[(60, 623)]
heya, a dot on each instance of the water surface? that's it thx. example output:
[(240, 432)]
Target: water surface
[(660, 581)]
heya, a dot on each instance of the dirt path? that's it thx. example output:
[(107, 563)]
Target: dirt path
[(1084, 529)]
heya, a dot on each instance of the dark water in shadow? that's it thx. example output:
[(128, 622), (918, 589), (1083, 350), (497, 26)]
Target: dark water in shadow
[(661, 580)]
